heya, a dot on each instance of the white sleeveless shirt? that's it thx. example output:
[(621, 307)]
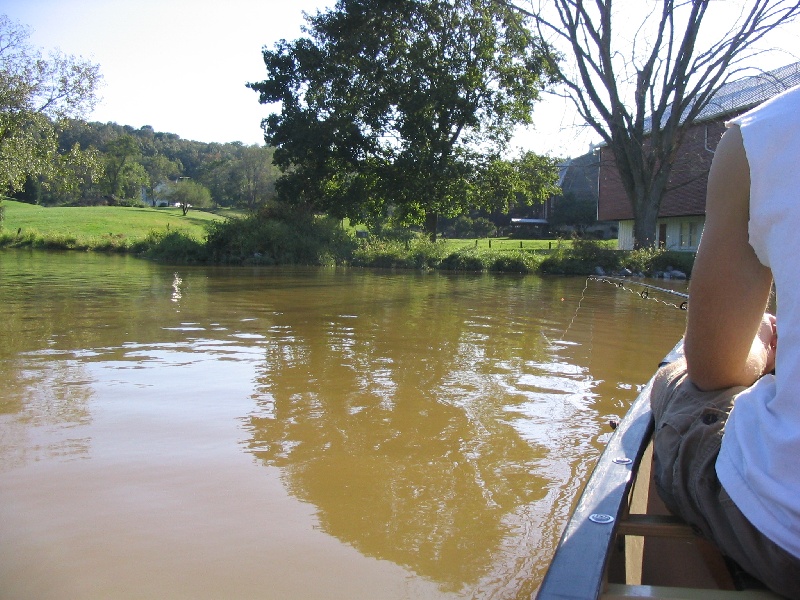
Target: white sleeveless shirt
[(759, 462)]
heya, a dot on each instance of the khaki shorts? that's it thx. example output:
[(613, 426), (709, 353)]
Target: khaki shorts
[(689, 425)]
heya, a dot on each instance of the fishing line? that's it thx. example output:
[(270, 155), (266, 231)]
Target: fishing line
[(620, 283)]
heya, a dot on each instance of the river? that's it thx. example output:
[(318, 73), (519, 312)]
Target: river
[(301, 433)]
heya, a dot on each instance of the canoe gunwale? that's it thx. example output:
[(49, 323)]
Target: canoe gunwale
[(579, 565)]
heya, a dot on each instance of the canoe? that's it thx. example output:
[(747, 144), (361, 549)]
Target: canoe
[(621, 541)]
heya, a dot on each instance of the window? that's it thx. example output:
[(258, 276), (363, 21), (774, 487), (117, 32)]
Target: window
[(689, 234)]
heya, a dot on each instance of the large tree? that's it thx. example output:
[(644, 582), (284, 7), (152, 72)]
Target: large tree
[(399, 106), (36, 94), (639, 72)]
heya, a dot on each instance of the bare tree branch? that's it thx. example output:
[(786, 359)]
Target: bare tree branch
[(641, 95)]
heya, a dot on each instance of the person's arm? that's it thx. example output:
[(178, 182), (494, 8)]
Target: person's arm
[(728, 342)]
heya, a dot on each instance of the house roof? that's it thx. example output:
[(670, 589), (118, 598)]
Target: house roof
[(580, 175), (745, 93), (748, 92)]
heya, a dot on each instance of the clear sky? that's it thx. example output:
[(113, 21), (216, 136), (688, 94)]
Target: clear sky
[(178, 65), (181, 65)]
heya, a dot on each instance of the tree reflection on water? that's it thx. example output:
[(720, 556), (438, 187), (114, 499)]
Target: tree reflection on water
[(406, 422)]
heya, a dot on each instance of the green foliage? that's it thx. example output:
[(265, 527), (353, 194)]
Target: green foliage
[(421, 253), (651, 260), (273, 236), (466, 259), (526, 180), (474, 259), (585, 255), (466, 227), (187, 193), (101, 163), (581, 258), (570, 211), (125, 176), (37, 94), (399, 108), (172, 246), (515, 262), (415, 253)]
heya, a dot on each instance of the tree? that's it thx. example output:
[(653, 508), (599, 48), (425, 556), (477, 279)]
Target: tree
[(36, 94), (642, 91), (187, 193), (503, 184), (160, 170), (394, 106), (256, 176), (125, 176), (573, 212)]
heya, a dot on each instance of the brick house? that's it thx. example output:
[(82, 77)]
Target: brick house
[(682, 213)]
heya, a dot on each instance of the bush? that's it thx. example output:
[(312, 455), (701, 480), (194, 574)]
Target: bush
[(586, 255), (464, 227), (273, 236), (131, 202), (581, 259), (416, 253), (669, 260), (171, 246), (466, 259), (515, 262)]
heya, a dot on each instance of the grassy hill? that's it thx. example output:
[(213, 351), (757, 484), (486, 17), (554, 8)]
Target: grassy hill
[(95, 227)]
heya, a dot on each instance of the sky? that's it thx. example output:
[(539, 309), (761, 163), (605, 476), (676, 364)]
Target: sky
[(181, 66)]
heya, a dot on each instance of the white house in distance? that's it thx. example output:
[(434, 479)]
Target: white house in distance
[(682, 213)]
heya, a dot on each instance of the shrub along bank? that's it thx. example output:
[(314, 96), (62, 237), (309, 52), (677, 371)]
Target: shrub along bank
[(273, 237)]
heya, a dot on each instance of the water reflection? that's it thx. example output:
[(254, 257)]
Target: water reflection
[(424, 424), (442, 423)]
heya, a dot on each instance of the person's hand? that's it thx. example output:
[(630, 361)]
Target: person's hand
[(765, 344)]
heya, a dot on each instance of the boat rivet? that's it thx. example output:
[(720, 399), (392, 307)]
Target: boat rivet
[(622, 460), (601, 518)]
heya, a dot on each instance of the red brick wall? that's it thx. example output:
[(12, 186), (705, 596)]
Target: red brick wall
[(686, 190)]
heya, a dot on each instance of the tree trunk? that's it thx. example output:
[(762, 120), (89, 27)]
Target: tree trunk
[(431, 224), (645, 225)]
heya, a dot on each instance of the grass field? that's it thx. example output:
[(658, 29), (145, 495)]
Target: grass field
[(166, 234), (96, 226)]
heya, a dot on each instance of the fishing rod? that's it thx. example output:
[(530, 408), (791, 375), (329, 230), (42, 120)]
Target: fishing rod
[(620, 282)]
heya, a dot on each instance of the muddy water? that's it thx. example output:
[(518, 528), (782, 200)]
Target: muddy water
[(187, 432)]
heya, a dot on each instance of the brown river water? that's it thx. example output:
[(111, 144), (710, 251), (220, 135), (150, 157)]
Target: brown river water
[(273, 433)]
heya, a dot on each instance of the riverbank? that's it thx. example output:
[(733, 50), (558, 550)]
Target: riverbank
[(167, 235)]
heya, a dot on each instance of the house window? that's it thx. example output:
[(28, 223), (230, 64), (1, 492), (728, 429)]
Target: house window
[(689, 234)]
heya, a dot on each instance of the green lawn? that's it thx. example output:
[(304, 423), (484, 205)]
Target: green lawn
[(101, 222)]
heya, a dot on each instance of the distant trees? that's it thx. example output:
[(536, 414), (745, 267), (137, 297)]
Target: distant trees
[(135, 165), (37, 94), (400, 109)]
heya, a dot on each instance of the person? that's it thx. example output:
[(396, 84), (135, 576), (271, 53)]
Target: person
[(727, 416)]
